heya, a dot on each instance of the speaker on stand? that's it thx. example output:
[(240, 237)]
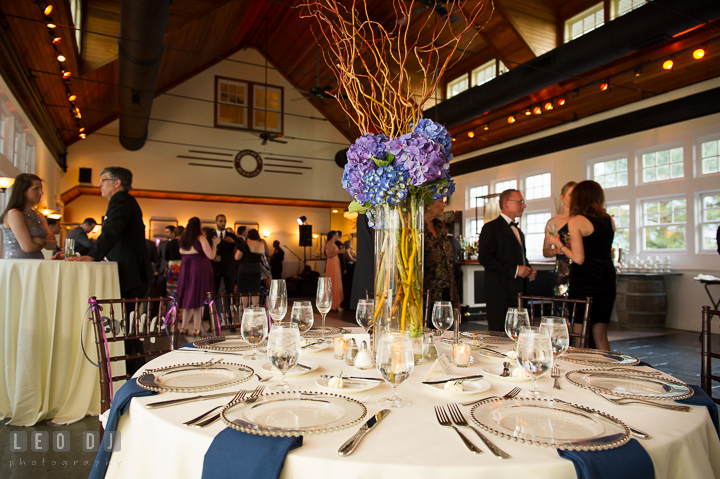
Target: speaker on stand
[(305, 240)]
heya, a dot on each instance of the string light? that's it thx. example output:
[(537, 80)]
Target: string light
[(668, 64), (66, 74), (48, 10), (561, 101), (549, 106), (511, 119), (604, 86), (698, 53), (638, 71), (528, 112), (81, 130), (51, 25), (486, 127), (471, 134), (72, 97), (56, 40), (83, 135), (61, 58), (537, 110)]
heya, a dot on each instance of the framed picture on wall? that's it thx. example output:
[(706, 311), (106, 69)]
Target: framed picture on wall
[(157, 226)]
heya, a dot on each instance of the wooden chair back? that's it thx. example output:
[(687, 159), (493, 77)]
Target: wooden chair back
[(706, 372), (575, 311), (129, 319), (229, 308)]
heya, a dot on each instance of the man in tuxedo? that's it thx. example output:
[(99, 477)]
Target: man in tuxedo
[(224, 264), (502, 253)]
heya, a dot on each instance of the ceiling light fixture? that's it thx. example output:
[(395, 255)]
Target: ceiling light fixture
[(48, 10), (471, 134), (528, 112), (604, 86), (537, 110), (72, 97), (61, 58), (486, 127), (638, 71), (698, 53), (668, 64), (56, 40), (511, 119), (561, 101), (66, 74), (549, 106), (51, 25)]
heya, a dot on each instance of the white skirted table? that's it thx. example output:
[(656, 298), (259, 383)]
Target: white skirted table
[(409, 442), (42, 306)]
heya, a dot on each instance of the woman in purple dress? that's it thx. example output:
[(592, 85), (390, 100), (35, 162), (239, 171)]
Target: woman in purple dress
[(196, 274)]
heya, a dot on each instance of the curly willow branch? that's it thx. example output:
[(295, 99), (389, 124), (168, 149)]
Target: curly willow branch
[(385, 69)]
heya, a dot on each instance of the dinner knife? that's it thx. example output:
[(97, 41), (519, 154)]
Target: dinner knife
[(477, 376), (349, 447), (330, 376), (172, 402)]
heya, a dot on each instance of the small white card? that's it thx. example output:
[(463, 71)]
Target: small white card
[(445, 367)]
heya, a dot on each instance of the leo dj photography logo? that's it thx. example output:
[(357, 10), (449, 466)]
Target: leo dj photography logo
[(40, 441)]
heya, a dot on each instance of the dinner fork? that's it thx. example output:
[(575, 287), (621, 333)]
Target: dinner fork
[(624, 401), (460, 420), (555, 374), (240, 394), (253, 397), (513, 392), (442, 418)]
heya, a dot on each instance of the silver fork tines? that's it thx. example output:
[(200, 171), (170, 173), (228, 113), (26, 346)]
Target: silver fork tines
[(253, 397), (442, 418), (460, 420), (513, 392), (555, 374), (240, 394)]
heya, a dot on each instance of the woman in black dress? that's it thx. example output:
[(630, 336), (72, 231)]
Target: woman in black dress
[(592, 272), (249, 254)]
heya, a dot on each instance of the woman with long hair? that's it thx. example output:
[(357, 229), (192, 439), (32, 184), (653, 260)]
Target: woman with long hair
[(592, 272), (249, 254), (333, 269), (196, 278), (25, 231), (557, 225)]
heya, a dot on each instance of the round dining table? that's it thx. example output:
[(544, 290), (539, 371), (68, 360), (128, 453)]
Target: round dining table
[(409, 442)]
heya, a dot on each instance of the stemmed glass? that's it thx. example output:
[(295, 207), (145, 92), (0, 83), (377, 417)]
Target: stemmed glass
[(283, 351), (395, 363), (535, 356), (323, 300), (277, 300), (515, 320), (302, 315), (557, 327), (443, 316), (365, 313), (254, 328)]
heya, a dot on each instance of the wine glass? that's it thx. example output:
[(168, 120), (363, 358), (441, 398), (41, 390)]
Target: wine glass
[(365, 313), (277, 300), (323, 300), (395, 363), (535, 356), (515, 320), (443, 315), (559, 334), (254, 328), (283, 351), (302, 315)]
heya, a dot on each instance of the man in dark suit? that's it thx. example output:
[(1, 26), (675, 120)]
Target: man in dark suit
[(224, 264), (83, 244), (501, 250)]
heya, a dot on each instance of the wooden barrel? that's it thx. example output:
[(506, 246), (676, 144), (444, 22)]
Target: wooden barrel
[(641, 302)]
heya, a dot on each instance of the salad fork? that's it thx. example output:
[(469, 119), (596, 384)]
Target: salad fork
[(240, 394), (624, 401), (460, 420), (513, 392), (555, 374), (442, 418), (253, 397)]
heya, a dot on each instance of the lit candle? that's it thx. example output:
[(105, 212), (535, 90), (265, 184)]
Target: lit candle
[(340, 345), (461, 354)]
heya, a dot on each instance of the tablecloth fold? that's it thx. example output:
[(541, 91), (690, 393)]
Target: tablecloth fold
[(700, 398)]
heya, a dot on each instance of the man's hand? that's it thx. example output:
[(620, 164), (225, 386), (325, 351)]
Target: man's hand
[(525, 272), (86, 259), (533, 275), (229, 239), (59, 255)]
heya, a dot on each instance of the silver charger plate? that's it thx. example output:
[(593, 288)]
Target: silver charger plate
[(542, 422), (488, 336), (329, 332), (596, 357), (195, 377), (226, 343), (294, 414), (630, 385)]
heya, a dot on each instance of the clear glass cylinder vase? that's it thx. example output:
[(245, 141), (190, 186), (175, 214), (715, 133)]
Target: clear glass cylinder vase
[(399, 267)]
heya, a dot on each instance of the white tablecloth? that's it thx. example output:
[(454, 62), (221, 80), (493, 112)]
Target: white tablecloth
[(409, 442), (42, 306)]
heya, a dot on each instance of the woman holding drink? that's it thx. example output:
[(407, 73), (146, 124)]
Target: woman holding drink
[(557, 225)]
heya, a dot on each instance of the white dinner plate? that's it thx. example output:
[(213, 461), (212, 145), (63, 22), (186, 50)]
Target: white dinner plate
[(470, 386), (349, 386), (296, 371), (496, 371)]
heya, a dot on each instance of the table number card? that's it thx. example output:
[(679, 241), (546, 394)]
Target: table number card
[(441, 365)]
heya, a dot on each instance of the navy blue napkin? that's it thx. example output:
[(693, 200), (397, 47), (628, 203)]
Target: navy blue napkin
[(234, 454), (188, 346), (700, 398), (120, 404), (630, 461)]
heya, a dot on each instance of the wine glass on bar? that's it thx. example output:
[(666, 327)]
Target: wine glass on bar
[(277, 300), (323, 300)]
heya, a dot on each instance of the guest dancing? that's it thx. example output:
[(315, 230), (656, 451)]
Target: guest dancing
[(559, 222), (276, 260), (196, 274), (592, 272), (25, 231), (439, 277), (249, 253), (333, 270)]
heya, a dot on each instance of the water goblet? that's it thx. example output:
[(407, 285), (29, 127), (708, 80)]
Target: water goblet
[(302, 315), (365, 313), (254, 328), (395, 363), (535, 356), (323, 300), (515, 320), (443, 316), (283, 351), (277, 300), (559, 334)]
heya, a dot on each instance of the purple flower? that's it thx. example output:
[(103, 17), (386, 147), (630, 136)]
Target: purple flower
[(434, 131), (423, 158), (366, 147)]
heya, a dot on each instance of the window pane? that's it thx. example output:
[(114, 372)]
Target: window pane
[(665, 237), (663, 172), (599, 169), (622, 164), (622, 179), (711, 201), (709, 148), (663, 157), (622, 239), (649, 175), (676, 155), (709, 241), (676, 170), (710, 165), (648, 159)]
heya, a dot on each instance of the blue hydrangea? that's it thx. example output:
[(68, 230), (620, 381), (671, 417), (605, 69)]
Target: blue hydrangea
[(443, 189), (387, 184)]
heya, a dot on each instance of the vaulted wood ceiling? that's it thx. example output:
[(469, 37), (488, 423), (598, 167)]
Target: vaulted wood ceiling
[(201, 33)]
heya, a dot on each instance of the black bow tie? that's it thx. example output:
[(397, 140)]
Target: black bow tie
[(514, 223)]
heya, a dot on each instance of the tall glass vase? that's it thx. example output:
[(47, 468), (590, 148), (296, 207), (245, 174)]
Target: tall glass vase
[(399, 267)]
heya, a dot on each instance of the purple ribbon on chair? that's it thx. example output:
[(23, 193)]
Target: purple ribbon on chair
[(217, 316), (170, 317), (94, 306)]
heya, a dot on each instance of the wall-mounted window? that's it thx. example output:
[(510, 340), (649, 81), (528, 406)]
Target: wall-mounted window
[(621, 7), (611, 174), (533, 226), (3, 131), (538, 186), (621, 216), (662, 165), (19, 148), (473, 194), (709, 221), (501, 186), (474, 228), (456, 86), (248, 106), (709, 155), (664, 224), (30, 158), (585, 22), (487, 72)]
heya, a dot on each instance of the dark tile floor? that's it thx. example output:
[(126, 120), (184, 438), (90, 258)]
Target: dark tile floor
[(674, 352)]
